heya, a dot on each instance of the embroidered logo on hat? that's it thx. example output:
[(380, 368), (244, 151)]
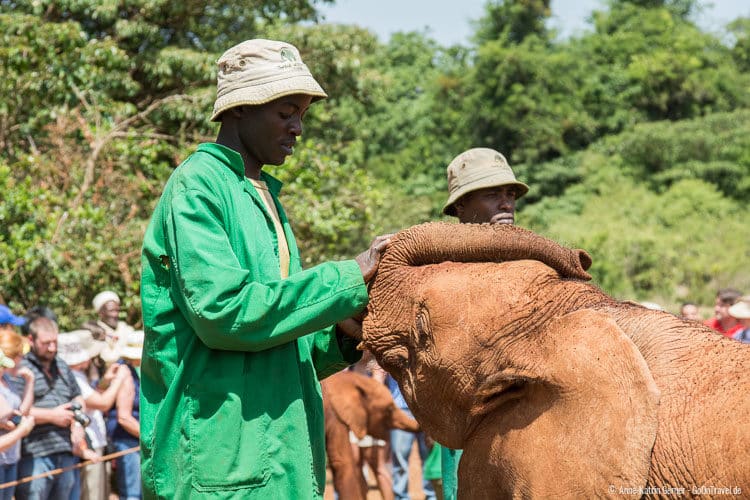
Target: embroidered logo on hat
[(288, 55)]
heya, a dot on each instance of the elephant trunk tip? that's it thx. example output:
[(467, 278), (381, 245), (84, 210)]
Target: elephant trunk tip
[(585, 261)]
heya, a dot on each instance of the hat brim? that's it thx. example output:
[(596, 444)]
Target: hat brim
[(740, 310), (449, 209), (262, 93), (75, 359), (129, 352)]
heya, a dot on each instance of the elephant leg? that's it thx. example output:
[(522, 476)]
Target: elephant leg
[(377, 458), (347, 473)]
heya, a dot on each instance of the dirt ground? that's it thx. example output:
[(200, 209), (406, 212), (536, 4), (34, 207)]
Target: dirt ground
[(415, 480)]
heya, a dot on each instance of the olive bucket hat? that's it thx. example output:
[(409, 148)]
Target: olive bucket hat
[(478, 168), (259, 71)]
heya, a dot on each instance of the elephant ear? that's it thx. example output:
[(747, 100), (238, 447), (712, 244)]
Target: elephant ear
[(590, 424), (347, 399)]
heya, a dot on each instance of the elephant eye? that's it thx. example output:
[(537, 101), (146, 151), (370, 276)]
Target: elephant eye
[(395, 359)]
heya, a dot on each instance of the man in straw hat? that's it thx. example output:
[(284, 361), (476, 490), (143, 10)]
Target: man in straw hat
[(481, 189), (236, 333)]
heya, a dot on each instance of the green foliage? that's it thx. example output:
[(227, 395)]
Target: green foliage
[(329, 204), (664, 248), (740, 29), (633, 137), (651, 207), (533, 92), (512, 21), (640, 65)]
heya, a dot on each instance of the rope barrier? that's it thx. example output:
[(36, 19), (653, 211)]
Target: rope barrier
[(55, 472)]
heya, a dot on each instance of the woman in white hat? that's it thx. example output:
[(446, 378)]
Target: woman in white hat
[(77, 349), (237, 334)]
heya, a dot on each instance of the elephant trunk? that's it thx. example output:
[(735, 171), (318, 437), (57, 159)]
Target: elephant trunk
[(436, 242), (401, 420)]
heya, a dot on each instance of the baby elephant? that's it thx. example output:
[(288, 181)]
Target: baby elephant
[(364, 406), (551, 387)]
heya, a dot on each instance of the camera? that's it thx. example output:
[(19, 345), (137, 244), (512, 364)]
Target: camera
[(78, 414)]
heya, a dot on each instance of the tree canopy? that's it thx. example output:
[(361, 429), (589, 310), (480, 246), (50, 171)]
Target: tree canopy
[(633, 136)]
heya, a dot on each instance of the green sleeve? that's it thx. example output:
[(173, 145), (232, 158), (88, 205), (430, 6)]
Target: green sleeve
[(332, 352), (230, 310)]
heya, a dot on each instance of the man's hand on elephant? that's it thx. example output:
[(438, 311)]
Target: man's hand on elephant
[(351, 328), (369, 259)]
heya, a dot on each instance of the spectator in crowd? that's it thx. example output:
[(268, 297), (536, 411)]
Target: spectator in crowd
[(123, 426), (237, 334), (34, 312), (481, 189), (8, 320), (77, 348), (722, 321), (689, 310), (108, 326), (15, 421), (49, 445), (741, 311)]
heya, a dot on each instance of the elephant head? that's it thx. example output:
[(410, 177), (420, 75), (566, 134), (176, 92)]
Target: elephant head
[(365, 405), (490, 332)]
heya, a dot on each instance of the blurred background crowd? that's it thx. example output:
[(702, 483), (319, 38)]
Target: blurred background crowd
[(69, 419)]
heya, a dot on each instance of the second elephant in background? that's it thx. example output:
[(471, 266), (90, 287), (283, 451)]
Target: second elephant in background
[(364, 406)]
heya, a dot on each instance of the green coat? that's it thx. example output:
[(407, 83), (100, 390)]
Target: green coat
[(230, 401)]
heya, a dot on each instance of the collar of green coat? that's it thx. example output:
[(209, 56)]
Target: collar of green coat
[(233, 160)]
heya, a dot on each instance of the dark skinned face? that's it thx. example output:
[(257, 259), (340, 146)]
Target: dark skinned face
[(267, 133), (110, 313), (496, 205)]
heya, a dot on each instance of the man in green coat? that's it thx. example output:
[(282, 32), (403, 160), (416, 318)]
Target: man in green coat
[(237, 335)]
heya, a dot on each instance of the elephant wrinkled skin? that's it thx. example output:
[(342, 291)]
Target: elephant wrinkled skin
[(552, 387), (354, 402)]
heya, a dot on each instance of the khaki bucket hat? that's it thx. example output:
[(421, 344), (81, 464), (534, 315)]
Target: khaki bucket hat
[(259, 71), (478, 168)]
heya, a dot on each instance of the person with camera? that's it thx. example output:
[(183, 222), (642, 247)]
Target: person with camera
[(48, 446), (77, 349)]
